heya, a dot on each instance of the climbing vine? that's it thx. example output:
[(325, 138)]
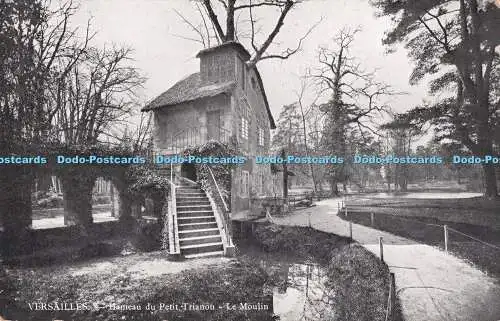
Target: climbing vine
[(222, 172)]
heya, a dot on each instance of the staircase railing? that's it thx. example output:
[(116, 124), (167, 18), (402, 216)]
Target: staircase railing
[(225, 210), (173, 231)]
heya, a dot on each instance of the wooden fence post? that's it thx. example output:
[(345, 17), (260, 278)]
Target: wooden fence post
[(446, 238), (350, 229), (372, 219), (393, 295), (381, 245)]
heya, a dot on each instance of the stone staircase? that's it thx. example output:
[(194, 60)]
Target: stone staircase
[(199, 235)]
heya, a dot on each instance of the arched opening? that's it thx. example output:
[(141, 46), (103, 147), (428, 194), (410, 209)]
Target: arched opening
[(188, 170)]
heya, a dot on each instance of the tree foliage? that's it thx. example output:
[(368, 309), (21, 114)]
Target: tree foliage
[(455, 43), (356, 100)]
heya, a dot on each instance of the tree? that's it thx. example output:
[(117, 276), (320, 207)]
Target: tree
[(233, 10), (303, 117), (455, 42), (289, 136), (38, 47), (402, 131), (366, 144), (355, 99), (295, 132), (54, 89), (97, 93)]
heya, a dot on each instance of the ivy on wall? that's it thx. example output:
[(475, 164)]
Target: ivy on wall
[(222, 172)]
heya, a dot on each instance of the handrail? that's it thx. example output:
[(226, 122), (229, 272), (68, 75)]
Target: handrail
[(173, 229), (226, 210), (218, 189)]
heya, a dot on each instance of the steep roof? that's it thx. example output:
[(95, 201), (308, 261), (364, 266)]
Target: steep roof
[(188, 89)]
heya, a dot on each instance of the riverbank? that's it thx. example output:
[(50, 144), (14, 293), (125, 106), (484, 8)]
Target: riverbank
[(255, 285)]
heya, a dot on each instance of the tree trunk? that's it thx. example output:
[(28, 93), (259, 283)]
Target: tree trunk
[(334, 187), (490, 180), (125, 208), (285, 176), (15, 214), (77, 193)]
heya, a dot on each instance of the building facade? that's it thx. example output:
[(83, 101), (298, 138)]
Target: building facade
[(225, 101)]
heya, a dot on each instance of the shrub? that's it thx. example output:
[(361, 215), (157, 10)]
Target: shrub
[(51, 201), (101, 199), (148, 236), (304, 242)]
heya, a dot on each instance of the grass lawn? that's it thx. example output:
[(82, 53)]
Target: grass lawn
[(40, 213), (474, 211)]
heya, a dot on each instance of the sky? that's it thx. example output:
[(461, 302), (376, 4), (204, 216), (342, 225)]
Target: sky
[(152, 28)]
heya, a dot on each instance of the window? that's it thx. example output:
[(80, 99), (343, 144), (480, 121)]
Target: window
[(244, 183), (260, 137), (262, 179), (244, 129)]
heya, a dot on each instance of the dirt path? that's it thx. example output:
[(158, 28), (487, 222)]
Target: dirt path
[(143, 265), (432, 285)]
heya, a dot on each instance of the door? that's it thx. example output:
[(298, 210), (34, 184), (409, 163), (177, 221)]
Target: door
[(214, 124)]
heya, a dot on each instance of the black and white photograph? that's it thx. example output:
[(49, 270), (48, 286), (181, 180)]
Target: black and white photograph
[(261, 160)]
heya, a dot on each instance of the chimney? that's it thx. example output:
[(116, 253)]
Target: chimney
[(219, 64)]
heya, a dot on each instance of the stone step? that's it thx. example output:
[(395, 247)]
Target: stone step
[(206, 254), (195, 219), (197, 201), (189, 193), (202, 248), (194, 213), (200, 240), (196, 226), (199, 232), (188, 187), (193, 207)]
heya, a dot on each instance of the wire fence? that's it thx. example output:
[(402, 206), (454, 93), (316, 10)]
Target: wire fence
[(448, 237), (481, 251), (378, 220)]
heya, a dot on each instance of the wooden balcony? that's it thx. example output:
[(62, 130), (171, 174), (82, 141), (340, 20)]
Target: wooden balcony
[(194, 136)]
